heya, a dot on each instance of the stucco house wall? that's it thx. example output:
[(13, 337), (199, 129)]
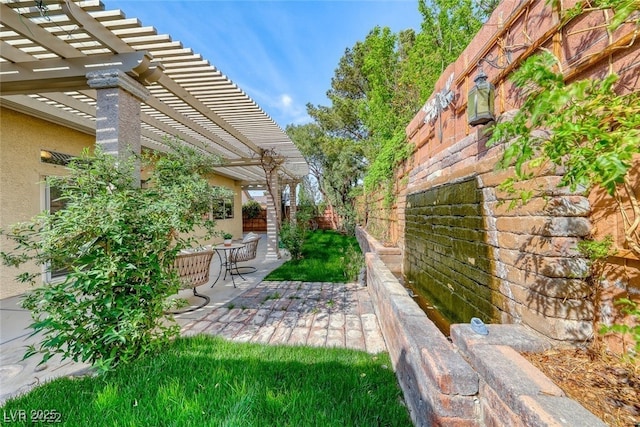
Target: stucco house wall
[(22, 192)]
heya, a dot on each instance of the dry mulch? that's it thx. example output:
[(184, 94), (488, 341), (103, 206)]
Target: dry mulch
[(606, 385)]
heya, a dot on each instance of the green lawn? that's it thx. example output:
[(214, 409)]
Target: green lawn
[(206, 381), (327, 256)]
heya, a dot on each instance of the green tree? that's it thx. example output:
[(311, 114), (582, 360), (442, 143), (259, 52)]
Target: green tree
[(378, 86), (335, 162), (118, 243)]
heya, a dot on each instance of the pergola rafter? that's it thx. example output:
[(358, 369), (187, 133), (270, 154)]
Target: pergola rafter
[(47, 48)]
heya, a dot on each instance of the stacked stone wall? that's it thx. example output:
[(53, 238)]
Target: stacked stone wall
[(447, 255), (530, 271)]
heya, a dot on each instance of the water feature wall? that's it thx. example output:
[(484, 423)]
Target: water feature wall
[(469, 380), (447, 257), (473, 256)]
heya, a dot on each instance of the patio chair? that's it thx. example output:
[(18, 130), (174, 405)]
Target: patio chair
[(193, 270), (246, 253)]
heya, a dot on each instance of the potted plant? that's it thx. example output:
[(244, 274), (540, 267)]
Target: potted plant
[(227, 238)]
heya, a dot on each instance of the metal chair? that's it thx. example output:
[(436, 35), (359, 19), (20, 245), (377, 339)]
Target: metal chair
[(246, 253), (193, 270)]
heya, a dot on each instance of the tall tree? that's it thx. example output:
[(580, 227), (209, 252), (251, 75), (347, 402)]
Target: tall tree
[(378, 86), (335, 163)]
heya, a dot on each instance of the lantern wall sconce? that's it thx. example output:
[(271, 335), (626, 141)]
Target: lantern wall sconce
[(480, 102)]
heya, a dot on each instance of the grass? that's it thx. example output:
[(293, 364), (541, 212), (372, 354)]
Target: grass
[(207, 381), (327, 256)]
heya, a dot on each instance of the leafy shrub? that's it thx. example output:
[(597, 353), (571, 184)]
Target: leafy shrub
[(633, 309), (353, 262), (118, 243), (251, 209), (292, 238)]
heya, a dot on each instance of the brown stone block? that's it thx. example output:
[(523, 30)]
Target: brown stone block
[(548, 286), (558, 329), (543, 185), (545, 226), (545, 265), (541, 245), (574, 309), (494, 411), (545, 206)]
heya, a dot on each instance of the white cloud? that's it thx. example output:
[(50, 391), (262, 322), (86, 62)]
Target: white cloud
[(285, 100)]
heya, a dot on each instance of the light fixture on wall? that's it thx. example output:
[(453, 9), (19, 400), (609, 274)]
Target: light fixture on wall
[(480, 102), (45, 155)]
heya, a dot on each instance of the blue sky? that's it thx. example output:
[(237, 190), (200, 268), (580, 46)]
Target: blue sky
[(283, 53)]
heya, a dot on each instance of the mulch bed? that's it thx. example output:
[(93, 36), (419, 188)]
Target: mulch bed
[(606, 385)]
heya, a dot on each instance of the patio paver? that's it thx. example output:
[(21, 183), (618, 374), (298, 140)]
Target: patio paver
[(294, 313)]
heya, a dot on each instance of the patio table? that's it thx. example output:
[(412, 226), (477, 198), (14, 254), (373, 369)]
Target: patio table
[(228, 265)]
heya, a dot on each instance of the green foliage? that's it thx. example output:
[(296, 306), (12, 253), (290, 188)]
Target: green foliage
[(633, 309), (118, 243), (584, 128), (251, 209), (353, 262), (292, 238), (335, 162), (597, 250), (624, 11)]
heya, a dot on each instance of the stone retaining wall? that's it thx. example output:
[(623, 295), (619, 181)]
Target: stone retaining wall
[(472, 380)]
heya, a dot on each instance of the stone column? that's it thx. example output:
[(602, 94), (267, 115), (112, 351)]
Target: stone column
[(118, 125), (273, 225)]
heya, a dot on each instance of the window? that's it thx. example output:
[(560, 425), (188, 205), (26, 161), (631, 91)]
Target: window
[(55, 158), (222, 208), (54, 203)]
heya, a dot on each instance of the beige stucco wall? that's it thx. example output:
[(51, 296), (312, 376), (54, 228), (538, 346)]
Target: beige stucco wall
[(231, 225), (21, 175)]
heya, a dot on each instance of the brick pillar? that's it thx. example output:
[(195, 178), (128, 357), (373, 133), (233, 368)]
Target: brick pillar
[(273, 225), (293, 208), (118, 129)]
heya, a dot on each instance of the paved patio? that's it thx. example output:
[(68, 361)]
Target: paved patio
[(297, 313), (291, 313)]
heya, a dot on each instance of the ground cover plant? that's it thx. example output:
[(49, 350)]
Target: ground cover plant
[(326, 256), (207, 381)]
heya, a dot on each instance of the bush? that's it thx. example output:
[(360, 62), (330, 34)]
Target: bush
[(353, 262), (118, 243), (251, 209), (292, 238)]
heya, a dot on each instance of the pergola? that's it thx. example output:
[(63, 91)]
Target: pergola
[(99, 72)]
